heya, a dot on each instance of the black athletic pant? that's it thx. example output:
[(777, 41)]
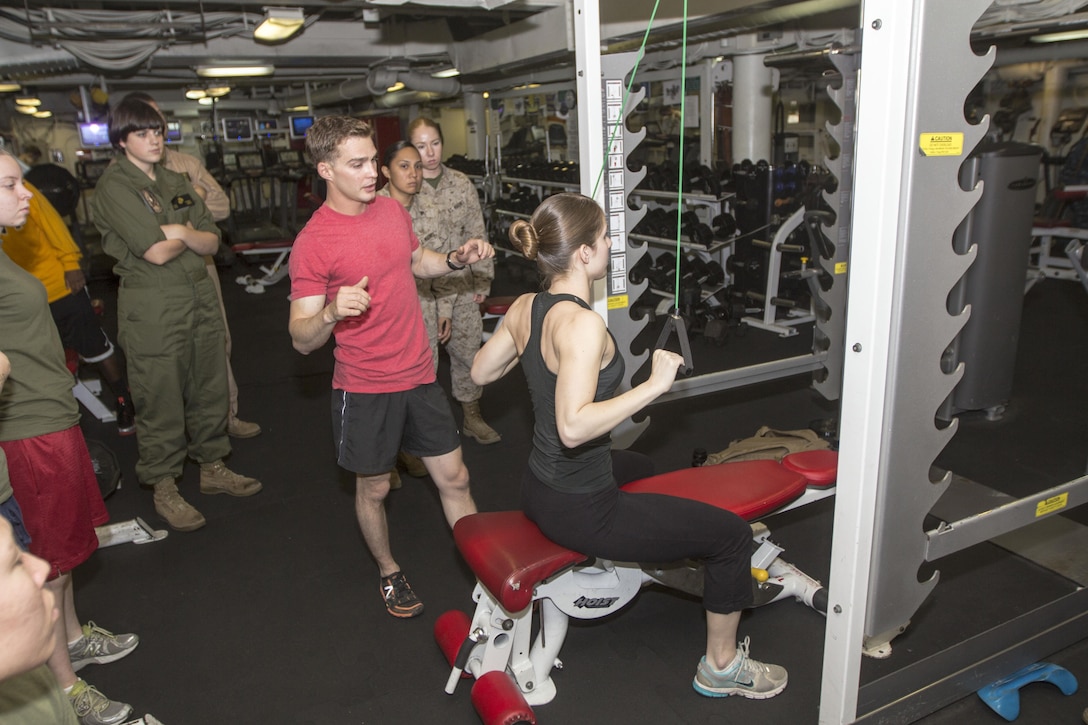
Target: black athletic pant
[(650, 528)]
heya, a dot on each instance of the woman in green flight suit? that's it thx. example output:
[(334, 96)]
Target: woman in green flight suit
[(158, 229)]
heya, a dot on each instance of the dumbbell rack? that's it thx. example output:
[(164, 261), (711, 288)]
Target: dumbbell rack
[(769, 320), (825, 360)]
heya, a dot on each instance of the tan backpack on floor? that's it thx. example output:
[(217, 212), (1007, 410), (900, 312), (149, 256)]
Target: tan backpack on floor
[(769, 443)]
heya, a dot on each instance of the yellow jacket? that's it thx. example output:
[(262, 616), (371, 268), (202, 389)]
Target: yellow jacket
[(43, 246)]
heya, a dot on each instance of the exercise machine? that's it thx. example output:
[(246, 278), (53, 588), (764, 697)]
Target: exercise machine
[(519, 572)]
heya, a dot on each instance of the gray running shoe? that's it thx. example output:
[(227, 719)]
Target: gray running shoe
[(94, 708), (99, 646), (747, 678)]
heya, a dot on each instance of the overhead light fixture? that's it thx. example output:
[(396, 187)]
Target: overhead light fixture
[(206, 101), (27, 109), (195, 94), (217, 91), (279, 24), (1060, 37), (234, 71), (28, 101), (296, 109), (399, 85), (447, 73), (43, 114), (9, 87)]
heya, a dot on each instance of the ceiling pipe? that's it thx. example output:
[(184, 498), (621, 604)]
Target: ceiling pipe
[(374, 85), (1034, 52)]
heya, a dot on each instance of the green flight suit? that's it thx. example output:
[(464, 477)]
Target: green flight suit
[(168, 319)]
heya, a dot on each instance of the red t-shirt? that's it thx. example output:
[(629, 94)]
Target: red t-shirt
[(384, 350)]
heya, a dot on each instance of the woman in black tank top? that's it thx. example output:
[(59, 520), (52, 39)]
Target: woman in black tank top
[(570, 488)]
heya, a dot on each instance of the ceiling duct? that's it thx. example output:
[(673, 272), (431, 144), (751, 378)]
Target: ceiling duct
[(375, 84)]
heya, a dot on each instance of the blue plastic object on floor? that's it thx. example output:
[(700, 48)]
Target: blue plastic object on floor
[(1003, 696)]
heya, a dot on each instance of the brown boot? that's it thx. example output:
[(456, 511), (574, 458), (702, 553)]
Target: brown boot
[(237, 428), (475, 427), (176, 511), (394, 480), (411, 465), (217, 478)]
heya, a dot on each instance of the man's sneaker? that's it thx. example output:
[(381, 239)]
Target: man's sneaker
[(176, 511), (126, 416), (400, 600), (94, 708), (99, 646), (744, 677), (217, 478)]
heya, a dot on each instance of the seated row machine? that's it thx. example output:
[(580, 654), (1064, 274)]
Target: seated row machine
[(517, 567)]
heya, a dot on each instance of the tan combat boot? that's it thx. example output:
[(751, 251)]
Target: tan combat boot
[(475, 426), (217, 478), (412, 465), (176, 511)]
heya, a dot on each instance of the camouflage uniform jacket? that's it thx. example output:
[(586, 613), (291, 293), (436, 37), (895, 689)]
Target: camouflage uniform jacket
[(444, 218)]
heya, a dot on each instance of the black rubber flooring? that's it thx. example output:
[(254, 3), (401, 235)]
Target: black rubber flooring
[(271, 613)]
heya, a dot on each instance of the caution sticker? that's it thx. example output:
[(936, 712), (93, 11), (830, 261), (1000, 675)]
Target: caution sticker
[(840, 267), (617, 302), (1052, 504), (941, 144)]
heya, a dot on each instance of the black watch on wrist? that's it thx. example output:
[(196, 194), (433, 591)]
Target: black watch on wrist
[(450, 264)]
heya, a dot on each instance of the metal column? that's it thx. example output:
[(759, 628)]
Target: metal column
[(911, 139)]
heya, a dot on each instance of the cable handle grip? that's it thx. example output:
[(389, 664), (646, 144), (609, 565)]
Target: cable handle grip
[(675, 323)]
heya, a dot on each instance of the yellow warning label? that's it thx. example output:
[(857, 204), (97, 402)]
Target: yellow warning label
[(840, 267), (617, 302), (941, 144), (1052, 504)]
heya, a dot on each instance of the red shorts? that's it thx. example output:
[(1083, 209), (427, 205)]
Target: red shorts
[(53, 480)]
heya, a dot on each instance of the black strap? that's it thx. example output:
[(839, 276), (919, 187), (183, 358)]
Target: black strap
[(675, 323)]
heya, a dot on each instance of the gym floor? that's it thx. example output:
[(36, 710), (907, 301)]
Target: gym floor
[(271, 613)]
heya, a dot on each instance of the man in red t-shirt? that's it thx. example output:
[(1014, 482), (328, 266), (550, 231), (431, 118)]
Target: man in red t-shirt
[(352, 270)]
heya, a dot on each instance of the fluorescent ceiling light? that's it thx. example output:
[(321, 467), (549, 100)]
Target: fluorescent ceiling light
[(195, 94), (395, 87), (9, 87), (206, 101), (297, 109), (27, 109), (1059, 37), (447, 73), (42, 114), (28, 101), (279, 24), (217, 91), (234, 71)]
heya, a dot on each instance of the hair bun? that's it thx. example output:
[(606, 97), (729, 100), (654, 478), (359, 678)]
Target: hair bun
[(524, 238)]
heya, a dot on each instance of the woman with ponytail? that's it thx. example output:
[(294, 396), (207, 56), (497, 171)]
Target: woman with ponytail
[(571, 486)]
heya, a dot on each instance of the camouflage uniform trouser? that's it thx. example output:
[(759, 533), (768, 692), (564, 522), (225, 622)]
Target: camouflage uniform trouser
[(464, 341)]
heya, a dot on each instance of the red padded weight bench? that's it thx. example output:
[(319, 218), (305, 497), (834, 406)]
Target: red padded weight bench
[(515, 566), (492, 310)]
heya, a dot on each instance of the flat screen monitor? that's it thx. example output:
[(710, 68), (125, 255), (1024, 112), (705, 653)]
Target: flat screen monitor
[(92, 135), (90, 169), (230, 161), (173, 132), (250, 162), (237, 129), (289, 157), (266, 125), (300, 125)]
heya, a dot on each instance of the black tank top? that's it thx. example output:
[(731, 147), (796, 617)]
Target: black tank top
[(587, 467)]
